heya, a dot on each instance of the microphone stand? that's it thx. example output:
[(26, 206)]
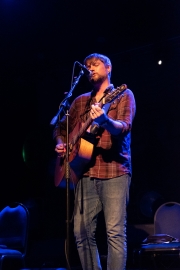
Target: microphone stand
[(65, 104)]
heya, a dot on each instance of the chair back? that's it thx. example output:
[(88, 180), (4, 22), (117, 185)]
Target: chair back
[(167, 219), (14, 226)]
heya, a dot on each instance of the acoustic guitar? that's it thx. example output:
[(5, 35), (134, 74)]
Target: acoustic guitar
[(81, 144)]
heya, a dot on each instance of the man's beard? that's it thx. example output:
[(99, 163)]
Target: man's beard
[(97, 80)]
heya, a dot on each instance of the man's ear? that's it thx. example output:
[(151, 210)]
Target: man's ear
[(109, 69)]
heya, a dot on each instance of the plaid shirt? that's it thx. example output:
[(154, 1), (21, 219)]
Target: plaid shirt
[(112, 154)]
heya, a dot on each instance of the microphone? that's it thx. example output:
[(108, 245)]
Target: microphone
[(86, 71)]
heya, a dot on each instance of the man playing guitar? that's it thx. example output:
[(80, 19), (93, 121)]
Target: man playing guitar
[(103, 181)]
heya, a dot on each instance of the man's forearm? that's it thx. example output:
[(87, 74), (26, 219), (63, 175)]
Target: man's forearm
[(114, 127)]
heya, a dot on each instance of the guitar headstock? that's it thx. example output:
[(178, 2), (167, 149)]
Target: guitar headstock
[(114, 93)]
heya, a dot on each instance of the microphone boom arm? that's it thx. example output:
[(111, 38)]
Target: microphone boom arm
[(64, 103)]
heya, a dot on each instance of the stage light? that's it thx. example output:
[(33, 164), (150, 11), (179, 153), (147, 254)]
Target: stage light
[(159, 62)]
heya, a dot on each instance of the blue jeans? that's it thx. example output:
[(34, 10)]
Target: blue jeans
[(92, 196)]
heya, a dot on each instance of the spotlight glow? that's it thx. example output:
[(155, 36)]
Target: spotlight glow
[(159, 62)]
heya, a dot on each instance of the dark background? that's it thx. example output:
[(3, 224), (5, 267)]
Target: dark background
[(39, 43)]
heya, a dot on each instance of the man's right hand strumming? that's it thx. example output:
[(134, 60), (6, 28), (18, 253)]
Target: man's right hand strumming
[(60, 149)]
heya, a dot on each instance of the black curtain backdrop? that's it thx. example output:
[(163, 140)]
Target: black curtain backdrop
[(40, 41)]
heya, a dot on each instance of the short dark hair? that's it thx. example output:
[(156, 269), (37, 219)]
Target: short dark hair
[(102, 57)]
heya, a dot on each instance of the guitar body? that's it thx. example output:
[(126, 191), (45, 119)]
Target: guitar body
[(79, 157), (79, 160)]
